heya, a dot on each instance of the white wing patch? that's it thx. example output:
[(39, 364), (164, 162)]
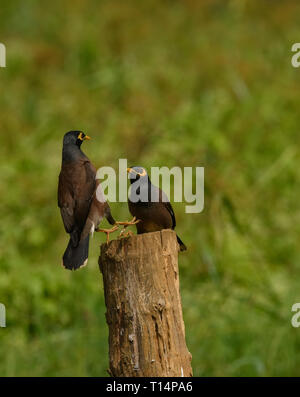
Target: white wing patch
[(92, 229)]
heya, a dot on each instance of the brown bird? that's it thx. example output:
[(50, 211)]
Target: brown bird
[(150, 205), (80, 210)]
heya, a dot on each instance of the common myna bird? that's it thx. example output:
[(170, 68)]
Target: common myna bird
[(150, 205), (80, 209)]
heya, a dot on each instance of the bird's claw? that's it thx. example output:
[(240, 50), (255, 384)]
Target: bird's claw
[(134, 221), (107, 232), (129, 233)]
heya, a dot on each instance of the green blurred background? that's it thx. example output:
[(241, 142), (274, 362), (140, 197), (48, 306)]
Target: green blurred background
[(184, 83)]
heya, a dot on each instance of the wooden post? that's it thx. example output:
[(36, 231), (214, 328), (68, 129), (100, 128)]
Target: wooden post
[(144, 314)]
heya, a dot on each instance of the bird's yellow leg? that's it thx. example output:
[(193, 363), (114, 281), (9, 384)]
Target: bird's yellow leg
[(134, 221), (107, 232)]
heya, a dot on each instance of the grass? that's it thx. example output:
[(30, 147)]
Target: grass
[(184, 83)]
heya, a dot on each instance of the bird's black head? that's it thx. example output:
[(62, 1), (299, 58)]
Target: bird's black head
[(75, 138), (136, 173)]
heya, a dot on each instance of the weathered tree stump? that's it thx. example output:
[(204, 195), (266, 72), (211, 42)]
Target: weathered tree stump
[(144, 314)]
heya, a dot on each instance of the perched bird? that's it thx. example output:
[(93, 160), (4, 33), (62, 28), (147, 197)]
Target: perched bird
[(150, 205), (80, 209)]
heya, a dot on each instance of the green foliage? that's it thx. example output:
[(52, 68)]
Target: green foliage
[(161, 83)]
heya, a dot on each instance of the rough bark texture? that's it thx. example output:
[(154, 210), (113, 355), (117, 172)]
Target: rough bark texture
[(144, 314)]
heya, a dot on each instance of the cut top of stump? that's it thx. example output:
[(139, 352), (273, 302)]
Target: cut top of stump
[(154, 244)]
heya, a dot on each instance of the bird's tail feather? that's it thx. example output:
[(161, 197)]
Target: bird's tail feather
[(182, 245), (76, 257)]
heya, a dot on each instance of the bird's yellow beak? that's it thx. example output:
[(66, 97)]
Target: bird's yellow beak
[(129, 170), (87, 137)]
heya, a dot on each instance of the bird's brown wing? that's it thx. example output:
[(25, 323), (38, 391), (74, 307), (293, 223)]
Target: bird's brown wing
[(170, 209), (75, 191), (84, 186), (66, 203), (164, 199)]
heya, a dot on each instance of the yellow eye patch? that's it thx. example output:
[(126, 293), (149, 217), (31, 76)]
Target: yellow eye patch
[(83, 138), (144, 173)]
